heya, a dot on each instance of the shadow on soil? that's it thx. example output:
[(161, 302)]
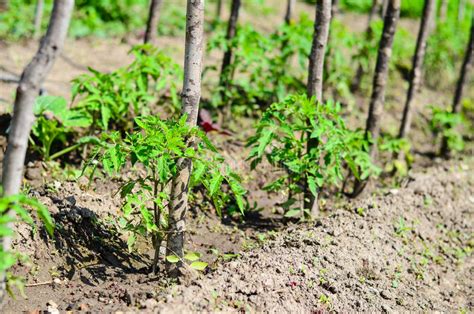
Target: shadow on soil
[(85, 242)]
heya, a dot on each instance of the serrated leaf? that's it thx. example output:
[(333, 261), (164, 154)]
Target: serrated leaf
[(198, 170), (105, 116), (162, 168), (312, 185), (215, 183)]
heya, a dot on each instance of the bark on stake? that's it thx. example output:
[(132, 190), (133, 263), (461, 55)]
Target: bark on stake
[(23, 116), (191, 96), (314, 86), (38, 17), (415, 76), (355, 85), (226, 73), (380, 81), (290, 6), (151, 33)]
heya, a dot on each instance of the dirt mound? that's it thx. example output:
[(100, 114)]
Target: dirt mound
[(405, 250)]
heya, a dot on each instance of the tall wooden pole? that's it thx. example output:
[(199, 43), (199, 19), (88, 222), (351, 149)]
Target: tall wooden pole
[(314, 87), (191, 96), (415, 75), (23, 117)]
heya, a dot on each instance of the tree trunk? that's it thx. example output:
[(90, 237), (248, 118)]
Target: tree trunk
[(335, 7), (38, 17), (28, 89), (290, 7), (231, 31), (355, 85), (381, 69), (380, 80), (226, 74), (4, 5), (316, 59), (314, 86), (466, 65), (190, 106), (443, 10), (415, 76), (383, 8), (219, 9), (151, 32)]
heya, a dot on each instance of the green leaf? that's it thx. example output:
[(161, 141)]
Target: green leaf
[(192, 256), (198, 170), (54, 104), (292, 213), (173, 259), (162, 169), (312, 185), (215, 183), (5, 231), (198, 265), (148, 217), (105, 115), (229, 256), (76, 118), (264, 140), (208, 143), (89, 140), (45, 217), (127, 188)]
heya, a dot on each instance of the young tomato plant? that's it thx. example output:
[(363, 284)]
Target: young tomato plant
[(113, 99), (154, 151), (282, 137), (395, 147), (259, 73), (445, 124), (20, 205), (55, 124)]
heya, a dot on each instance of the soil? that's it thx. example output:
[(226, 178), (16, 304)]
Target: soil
[(400, 249), (404, 245)]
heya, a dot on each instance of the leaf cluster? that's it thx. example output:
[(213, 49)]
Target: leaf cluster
[(156, 152), (446, 124), (114, 99), (262, 71), (100, 18), (55, 124), (284, 133)]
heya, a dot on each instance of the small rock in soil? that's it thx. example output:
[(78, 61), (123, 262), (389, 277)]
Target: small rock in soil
[(386, 294), (33, 173), (52, 304), (386, 308)]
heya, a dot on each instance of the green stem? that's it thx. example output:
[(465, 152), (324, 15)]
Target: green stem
[(64, 151)]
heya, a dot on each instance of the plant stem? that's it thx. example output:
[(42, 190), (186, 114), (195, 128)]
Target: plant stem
[(64, 151)]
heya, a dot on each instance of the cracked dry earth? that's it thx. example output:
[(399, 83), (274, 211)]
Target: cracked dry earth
[(397, 250)]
